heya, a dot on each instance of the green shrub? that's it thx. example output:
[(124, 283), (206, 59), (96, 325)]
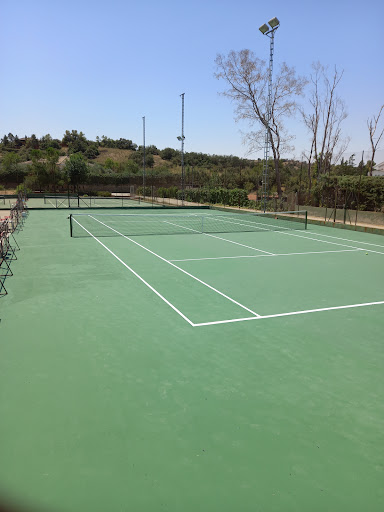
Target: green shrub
[(148, 191)]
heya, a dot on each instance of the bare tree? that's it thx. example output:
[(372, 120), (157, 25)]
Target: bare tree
[(372, 127), (246, 77), (324, 120), (312, 120)]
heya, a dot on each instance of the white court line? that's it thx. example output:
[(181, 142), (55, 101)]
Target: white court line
[(252, 224), (137, 275), (333, 243), (291, 313), (178, 268), (315, 239), (256, 317), (346, 239), (268, 255), (219, 238), (284, 230)]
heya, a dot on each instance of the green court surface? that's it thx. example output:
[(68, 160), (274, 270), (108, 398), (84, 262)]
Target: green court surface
[(225, 371)]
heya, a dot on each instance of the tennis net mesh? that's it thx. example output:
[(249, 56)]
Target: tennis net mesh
[(98, 225), (88, 201)]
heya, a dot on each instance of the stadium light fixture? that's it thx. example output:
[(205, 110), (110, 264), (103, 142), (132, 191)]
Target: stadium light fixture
[(274, 22), (264, 28)]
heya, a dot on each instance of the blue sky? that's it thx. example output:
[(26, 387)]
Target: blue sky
[(101, 66)]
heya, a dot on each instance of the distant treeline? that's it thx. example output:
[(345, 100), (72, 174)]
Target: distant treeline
[(76, 142), (35, 163)]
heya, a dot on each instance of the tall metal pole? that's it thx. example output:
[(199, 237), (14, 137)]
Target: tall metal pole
[(358, 190), (143, 158), (182, 150), (274, 24)]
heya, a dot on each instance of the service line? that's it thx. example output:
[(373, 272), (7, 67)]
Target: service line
[(178, 268), (290, 313)]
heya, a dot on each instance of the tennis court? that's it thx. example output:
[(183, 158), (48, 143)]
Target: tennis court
[(192, 360)]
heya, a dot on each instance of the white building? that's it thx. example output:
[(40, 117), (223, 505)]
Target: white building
[(378, 170)]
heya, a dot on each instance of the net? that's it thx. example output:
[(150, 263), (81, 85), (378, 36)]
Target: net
[(61, 201), (89, 202), (169, 224)]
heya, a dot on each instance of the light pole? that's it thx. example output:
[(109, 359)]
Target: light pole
[(144, 158), (269, 31), (182, 148)]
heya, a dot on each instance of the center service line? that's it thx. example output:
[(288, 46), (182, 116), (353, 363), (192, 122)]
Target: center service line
[(178, 268)]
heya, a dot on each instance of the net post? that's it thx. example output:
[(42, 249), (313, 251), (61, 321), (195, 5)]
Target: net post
[(70, 224), (306, 219)]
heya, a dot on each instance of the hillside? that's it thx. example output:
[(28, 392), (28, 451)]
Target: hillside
[(117, 155), (122, 156)]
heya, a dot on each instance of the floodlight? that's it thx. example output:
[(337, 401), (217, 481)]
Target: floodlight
[(273, 22), (264, 28)]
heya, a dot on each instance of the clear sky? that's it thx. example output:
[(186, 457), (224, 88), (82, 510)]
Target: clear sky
[(100, 66)]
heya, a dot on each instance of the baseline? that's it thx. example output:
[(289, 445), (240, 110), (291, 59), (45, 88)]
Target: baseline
[(290, 313)]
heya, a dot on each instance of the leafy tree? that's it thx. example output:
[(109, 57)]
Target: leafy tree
[(130, 167), (168, 153), (92, 151), (106, 142), (17, 142), (46, 142), (39, 168), (111, 164), (76, 169), (137, 157), (72, 136), (32, 142), (52, 158), (126, 144), (10, 162), (249, 186)]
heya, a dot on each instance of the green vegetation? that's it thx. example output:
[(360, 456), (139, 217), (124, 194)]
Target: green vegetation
[(54, 165)]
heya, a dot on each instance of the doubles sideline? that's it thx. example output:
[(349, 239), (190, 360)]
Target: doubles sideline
[(255, 316)]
